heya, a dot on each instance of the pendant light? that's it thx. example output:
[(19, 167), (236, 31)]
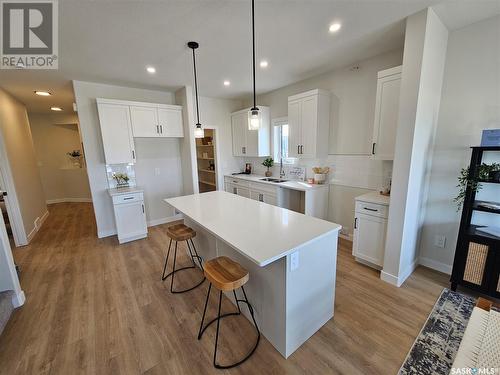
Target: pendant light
[(254, 117), (198, 130)]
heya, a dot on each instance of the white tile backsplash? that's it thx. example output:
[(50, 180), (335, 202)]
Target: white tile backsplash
[(120, 168)]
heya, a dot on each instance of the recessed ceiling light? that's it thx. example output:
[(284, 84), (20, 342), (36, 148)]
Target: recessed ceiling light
[(151, 69), (43, 93), (263, 63), (56, 109), (334, 27), (227, 83)]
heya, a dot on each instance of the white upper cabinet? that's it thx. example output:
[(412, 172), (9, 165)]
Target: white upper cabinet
[(144, 121), (255, 143), (309, 124), (170, 121), (386, 113), (155, 120), (116, 131)]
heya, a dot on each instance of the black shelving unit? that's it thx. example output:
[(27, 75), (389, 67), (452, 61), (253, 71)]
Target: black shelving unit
[(477, 256)]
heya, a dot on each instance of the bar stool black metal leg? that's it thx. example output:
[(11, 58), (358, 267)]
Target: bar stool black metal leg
[(163, 277), (191, 253), (196, 254), (217, 332), (173, 270), (250, 308), (204, 311), (237, 303)]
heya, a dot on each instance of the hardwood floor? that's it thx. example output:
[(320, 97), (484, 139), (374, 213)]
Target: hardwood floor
[(94, 307)]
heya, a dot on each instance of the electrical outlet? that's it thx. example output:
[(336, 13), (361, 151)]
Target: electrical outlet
[(294, 261), (440, 241)]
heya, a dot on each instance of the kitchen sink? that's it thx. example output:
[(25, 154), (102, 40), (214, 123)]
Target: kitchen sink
[(275, 180)]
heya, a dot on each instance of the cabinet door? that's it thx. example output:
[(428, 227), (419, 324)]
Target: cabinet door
[(144, 121), (264, 197), (230, 188), (239, 127), (130, 220), (308, 126), (294, 132), (369, 238), (116, 133), (244, 192), (170, 121), (386, 117)]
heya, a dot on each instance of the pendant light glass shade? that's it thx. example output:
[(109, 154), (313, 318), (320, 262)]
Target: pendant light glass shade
[(254, 119), (198, 131)]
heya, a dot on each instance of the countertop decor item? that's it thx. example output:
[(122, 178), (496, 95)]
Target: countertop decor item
[(320, 174), (268, 163), (75, 156), (121, 179)]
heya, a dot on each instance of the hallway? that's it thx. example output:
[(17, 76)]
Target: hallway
[(94, 307)]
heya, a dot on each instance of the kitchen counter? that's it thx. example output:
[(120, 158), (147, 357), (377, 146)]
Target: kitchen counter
[(125, 190), (261, 232), (291, 259), (290, 184), (374, 197)]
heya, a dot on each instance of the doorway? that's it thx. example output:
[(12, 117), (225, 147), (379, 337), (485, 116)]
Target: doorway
[(206, 155)]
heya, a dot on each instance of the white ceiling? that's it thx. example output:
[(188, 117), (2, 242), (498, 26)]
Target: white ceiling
[(113, 41)]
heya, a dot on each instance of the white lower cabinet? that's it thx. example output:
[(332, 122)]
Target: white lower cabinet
[(130, 217), (253, 190), (370, 227)]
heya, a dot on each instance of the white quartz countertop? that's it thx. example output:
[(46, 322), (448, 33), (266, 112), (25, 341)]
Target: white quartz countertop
[(261, 232), (125, 190), (290, 184), (374, 197)]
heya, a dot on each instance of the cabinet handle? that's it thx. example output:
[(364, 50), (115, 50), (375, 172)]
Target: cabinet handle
[(261, 197), (373, 148), (143, 209), (133, 154), (161, 129), (355, 223), (298, 149), (235, 190), (244, 150), (370, 209), (128, 198), (301, 149)]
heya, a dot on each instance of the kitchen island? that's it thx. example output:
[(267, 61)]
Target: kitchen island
[(291, 259)]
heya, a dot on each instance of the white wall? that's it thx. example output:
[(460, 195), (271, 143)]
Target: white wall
[(421, 81), (53, 136), (19, 161), (163, 154), (470, 102), (351, 129)]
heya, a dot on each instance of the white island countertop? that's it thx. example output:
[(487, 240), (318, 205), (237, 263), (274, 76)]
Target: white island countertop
[(261, 232), (289, 184)]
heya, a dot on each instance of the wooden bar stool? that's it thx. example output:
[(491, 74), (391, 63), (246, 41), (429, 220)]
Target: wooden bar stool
[(181, 232), (226, 275)]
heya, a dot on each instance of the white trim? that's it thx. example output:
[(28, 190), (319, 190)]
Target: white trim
[(106, 233), (18, 299), (435, 265), (347, 237), (164, 220), (67, 200), (399, 280), (37, 228)]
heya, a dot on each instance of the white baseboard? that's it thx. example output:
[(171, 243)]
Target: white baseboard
[(18, 299), (399, 280), (435, 265), (164, 220), (37, 228), (347, 237), (106, 233), (69, 200)]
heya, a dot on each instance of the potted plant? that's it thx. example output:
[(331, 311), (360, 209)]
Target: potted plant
[(268, 163), (75, 156), (467, 179), (121, 179)]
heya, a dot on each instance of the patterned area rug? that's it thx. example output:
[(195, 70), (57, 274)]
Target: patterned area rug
[(435, 347)]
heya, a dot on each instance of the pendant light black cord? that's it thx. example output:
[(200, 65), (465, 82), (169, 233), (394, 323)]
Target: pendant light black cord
[(193, 46), (253, 53)]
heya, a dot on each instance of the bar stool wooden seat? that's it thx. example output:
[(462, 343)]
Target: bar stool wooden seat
[(226, 275), (181, 232)]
